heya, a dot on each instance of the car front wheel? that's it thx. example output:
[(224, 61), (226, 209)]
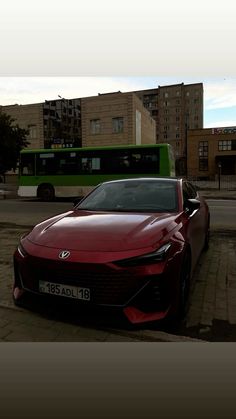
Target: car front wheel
[(185, 275)]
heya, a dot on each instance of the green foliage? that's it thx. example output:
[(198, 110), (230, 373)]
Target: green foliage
[(12, 140)]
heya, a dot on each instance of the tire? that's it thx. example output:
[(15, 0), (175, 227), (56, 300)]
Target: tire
[(207, 236), (178, 312), (185, 276), (46, 192)]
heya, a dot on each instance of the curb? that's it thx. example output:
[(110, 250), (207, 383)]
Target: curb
[(141, 335)]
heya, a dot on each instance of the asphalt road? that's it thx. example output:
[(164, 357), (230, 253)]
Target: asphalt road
[(222, 213), (23, 212)]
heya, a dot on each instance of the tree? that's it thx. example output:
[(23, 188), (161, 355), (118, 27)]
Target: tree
[(12, 140)]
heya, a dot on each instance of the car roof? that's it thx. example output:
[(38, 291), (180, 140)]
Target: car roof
[(163, 179)]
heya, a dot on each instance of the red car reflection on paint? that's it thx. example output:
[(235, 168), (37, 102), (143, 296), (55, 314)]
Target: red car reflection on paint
[(131, 244)]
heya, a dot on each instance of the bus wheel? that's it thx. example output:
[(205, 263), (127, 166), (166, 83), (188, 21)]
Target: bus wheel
[(46, 192)]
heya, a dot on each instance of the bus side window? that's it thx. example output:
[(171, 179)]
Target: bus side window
[(86, 165), (27, 165)]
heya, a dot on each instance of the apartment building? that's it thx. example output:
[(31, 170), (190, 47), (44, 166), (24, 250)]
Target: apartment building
[(163, 114), (175, 108), (210, 149), (116, 119)]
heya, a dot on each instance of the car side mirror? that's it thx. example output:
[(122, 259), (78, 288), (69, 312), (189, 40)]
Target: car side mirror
[(191, 205)]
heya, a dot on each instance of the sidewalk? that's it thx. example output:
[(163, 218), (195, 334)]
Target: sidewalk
[(8, 190), (218, 194)]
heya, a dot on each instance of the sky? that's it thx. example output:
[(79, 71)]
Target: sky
[(76, 49), (219, 93)]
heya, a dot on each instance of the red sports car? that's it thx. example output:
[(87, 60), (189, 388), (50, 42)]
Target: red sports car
[(130, 244)]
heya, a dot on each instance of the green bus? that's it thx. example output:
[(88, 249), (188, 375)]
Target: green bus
[(73, 172)]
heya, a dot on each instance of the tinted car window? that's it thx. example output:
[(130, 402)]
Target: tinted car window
[(160, 196)]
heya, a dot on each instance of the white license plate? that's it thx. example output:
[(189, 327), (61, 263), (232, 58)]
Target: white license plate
[(64, 290)]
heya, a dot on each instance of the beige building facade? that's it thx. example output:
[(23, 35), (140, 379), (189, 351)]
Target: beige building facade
[(116, 119), (210, 150), (29, 117), (52, 124)]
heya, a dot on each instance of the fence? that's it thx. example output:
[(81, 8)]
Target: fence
[(222, 182)]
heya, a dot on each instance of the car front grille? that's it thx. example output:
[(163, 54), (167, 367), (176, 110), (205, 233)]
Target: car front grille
[(108, 285)]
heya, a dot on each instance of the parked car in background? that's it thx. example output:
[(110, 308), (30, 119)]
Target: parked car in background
[(131, 244)]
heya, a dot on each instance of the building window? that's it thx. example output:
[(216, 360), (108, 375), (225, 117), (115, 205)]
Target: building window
[(187, 93), (177, 110), (203, 155), (32, 133), (166, 94), (177, 148), (203, 164), (166, 103), (177, 93), (95, 126), (225, 145), (117, 125), (176, 135), (177, 118), (203, 149)]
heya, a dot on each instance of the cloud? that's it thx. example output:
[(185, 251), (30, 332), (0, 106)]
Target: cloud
[(220, 94), (23, 90), (220, 124)]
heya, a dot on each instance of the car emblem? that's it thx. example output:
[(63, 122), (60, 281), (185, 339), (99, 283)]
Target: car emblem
[(64, 254)]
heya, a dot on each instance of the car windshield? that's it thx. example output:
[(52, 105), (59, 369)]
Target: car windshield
[(133, 196)]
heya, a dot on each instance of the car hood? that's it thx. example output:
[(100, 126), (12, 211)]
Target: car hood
[(103, 231)]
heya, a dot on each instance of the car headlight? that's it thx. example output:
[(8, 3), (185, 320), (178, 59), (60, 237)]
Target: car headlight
[(154, 257)]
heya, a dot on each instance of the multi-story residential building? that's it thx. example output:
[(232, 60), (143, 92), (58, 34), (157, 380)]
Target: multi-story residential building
[(51, 124), (210, 149), (175, 108), (116, 119)]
